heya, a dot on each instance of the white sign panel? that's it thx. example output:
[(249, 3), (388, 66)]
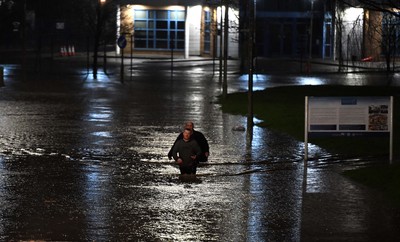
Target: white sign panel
[(349, 114)]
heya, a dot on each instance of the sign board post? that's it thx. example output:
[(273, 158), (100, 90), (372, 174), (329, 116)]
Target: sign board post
[(348, 117), (121, 42), (306, 131)]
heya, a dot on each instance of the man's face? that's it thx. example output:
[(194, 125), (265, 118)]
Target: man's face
[(186, 134)]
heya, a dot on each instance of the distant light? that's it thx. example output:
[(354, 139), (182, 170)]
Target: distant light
[(352, 14), (102, 1), (309, 81)]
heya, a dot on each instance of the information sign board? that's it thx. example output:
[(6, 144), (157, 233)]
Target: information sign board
[(348, 116)]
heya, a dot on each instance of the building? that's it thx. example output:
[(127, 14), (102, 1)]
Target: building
[(293, 28), (361, 33), (189, 28), (367, 32)]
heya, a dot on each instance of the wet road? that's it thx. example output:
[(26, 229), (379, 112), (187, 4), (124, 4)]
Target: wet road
[(85, 160)]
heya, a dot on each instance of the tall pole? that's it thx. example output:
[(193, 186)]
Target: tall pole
[(97, 35), (131, 55), (311, 28), (172, 39), (251, 30), (214, 36), (122, 66), (23, 21), (96, 39), (220, 45), (226, 36)]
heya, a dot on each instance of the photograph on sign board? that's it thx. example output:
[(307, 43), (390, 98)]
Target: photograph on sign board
[(378, 109), (378, 117)]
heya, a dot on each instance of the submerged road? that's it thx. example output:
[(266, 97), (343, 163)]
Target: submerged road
[(85, 160)]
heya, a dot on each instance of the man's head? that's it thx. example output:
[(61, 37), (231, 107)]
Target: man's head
[(189, 125), (186, 134)]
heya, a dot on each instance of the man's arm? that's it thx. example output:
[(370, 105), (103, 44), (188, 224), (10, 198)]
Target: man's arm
[(196, 148), (180, 136), (202, 141), (174, 152)]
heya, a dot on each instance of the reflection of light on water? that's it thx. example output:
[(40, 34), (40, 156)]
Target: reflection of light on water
[(104, 117), (257, 121), (255, 221), (100, 113), (6, 70), (195, 98), (313, 179), (256, 78), (102, 81), (97, 213), (309, 81), (92, 177), (102, 134), (101, 76), (197, 70), (354, 79), (312, 176), (257, 141)]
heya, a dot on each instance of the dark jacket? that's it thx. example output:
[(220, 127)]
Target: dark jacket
[(200, 139), (185, 150)]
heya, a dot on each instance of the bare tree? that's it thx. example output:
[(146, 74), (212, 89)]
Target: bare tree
[(96, 19), (384, 30), (339, 34), (390, 39)]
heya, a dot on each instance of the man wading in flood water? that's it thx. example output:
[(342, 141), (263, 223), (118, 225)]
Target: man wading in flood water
[(185, 151), (200, 139)]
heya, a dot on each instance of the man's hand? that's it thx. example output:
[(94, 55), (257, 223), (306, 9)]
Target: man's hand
[(170, 155), (179, 161)]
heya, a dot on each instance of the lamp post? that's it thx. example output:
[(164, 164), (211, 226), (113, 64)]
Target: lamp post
[(102, 2), (311, 28), (251, 41), (98, 32)]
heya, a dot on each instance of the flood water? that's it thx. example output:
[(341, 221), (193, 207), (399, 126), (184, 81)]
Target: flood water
[(85, 160)]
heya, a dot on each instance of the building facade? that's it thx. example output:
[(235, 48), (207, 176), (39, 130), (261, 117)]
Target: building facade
[(290, 28), (327, 29), (189, 28)]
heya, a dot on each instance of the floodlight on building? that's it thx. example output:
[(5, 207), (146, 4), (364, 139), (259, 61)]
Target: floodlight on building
[(353, 14), (175, 7)]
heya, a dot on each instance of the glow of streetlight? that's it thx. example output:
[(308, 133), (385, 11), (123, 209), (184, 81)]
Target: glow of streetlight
[(102, 1)]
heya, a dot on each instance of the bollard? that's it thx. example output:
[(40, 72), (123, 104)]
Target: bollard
[(1, 76)]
